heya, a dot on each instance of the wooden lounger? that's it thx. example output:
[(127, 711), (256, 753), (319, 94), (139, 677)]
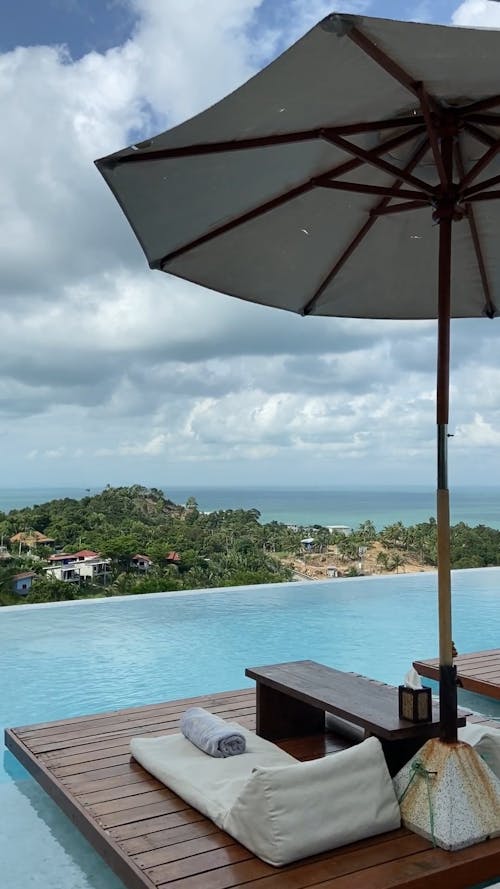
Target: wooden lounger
[(478, 671), (151, 838)]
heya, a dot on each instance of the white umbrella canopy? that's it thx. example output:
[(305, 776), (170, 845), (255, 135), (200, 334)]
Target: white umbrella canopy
[(356, 176)]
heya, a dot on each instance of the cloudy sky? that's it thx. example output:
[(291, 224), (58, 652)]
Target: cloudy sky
[(110, 372)]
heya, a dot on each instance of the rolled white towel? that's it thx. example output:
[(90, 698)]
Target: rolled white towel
[(211, 734)]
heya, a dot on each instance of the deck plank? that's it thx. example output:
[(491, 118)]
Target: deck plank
[(477, 671), (153, 840), (115, 728), (124, 832)]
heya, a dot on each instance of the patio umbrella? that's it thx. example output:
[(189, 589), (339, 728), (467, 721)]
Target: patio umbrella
[(355, 176)]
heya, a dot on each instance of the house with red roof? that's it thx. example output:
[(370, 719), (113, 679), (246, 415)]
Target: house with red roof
[(85, 565), (140, 562)]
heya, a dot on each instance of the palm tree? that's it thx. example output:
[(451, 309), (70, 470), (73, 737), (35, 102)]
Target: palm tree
[(121, 586), (383, 561), (397, 562), (366, 532)]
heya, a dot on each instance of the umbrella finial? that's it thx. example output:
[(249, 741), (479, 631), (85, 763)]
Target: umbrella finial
[(338, 24)]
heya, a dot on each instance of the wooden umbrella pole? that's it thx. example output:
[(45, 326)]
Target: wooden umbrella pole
[(448, 686)]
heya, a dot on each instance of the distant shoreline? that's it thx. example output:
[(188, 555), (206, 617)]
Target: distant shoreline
[(260, 487)]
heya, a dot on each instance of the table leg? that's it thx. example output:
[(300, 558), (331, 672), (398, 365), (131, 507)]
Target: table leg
[(281, 716)]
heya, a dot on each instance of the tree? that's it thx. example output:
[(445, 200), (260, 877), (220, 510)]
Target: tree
[(120, 550), (394, 536), (7, 572), (347, 549), (49, 589), (366, 532), (225, 547), (122, 585), (396, 562), (192, 512), (382, 561)]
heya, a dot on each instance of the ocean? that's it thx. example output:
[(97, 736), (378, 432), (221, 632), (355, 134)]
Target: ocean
[(308, 506)]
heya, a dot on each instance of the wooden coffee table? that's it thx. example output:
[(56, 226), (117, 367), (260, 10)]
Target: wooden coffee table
[(293, 698)]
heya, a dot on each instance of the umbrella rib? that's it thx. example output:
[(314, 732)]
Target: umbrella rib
[(138, 155), (400, 208), (480, 186), (480, 105), (388, 64), (349, 250), (431, 130), (484, 196), (380, 164), (479, 134), (480, 165), (234, 223), (365, 188), (394, 142), (489, 306), (214, 147), (365, 228), (492, 120), (370, 126), (304, 187)]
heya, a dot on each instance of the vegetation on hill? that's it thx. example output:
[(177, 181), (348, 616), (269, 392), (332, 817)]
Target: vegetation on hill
[(225, 548), (222, 548)]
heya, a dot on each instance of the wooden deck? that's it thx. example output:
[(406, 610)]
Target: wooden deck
[(151, 838), (478, 672)]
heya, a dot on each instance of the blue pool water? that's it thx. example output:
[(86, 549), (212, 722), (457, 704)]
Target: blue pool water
[(58, 661)]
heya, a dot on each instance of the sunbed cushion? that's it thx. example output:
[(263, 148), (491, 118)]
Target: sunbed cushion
[(277, 807), (209, 784), (486, 741), (286, 813)]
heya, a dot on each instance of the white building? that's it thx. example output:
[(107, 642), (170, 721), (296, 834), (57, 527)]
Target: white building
[(339, 529), (332, 571), (141, 563), (84, 566)]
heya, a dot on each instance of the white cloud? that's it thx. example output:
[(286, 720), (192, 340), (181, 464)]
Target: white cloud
[(108, 369), (55, 453), (477, 14), (189, 53), (479, 433), (152, 447)]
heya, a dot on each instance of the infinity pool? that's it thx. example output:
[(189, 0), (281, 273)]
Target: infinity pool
[(70, 659)]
